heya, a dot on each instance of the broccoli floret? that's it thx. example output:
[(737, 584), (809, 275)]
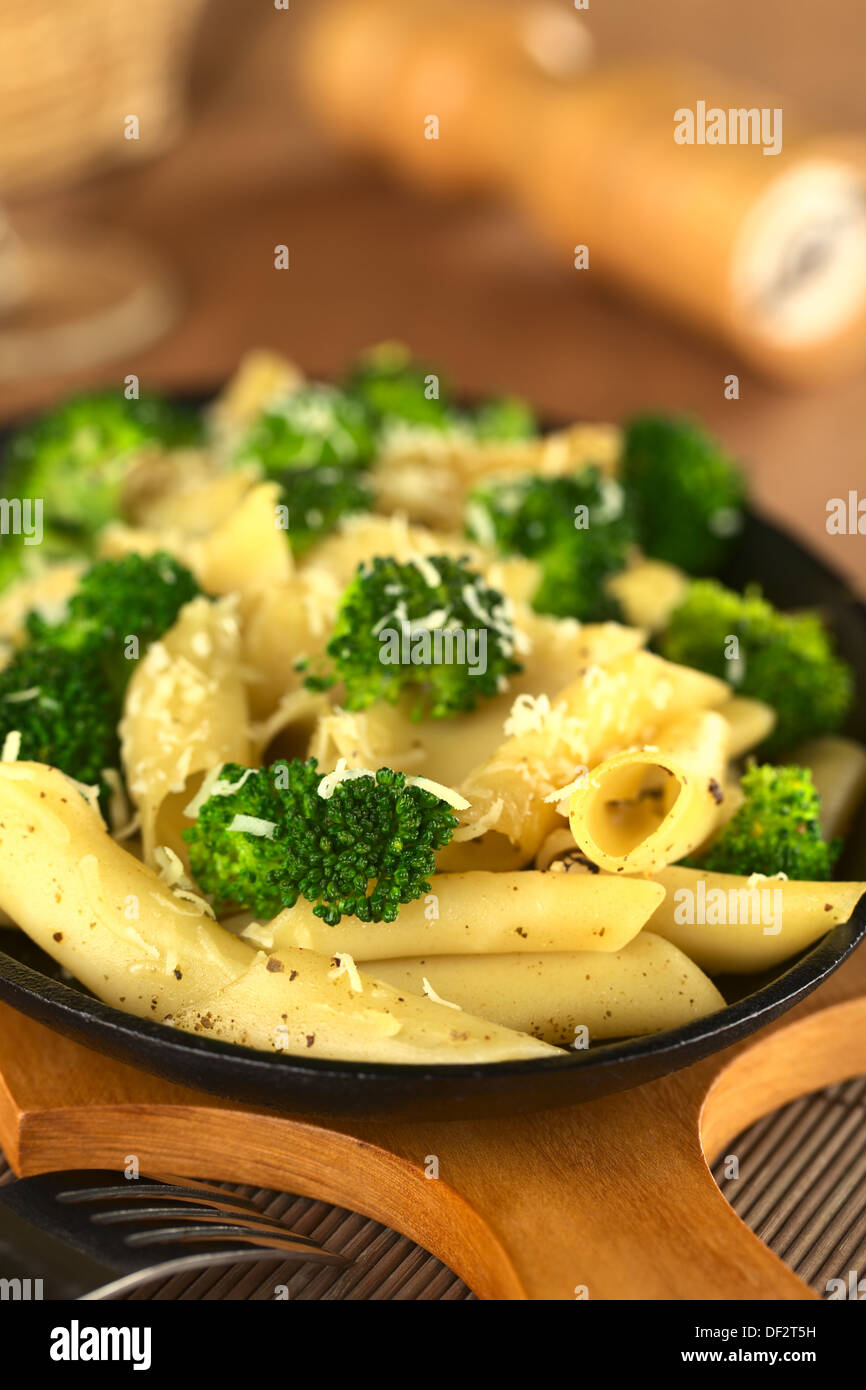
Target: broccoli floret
[(317, 499), (137, 596), (396, 390), (783, 659), (432, 626), (64, 688), (60, 704), (392, 387), (776, 830), (265, 838), (505, 420), (316, 425), (577, 528), (76, 457), (687, 494)]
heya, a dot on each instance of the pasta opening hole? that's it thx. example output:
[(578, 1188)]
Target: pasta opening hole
[(630, 806)]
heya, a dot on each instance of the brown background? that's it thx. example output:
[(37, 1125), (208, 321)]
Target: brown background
[(466, 283)]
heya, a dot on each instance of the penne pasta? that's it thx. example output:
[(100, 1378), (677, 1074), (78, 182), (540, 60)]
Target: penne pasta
[(285, 626), (302, 1002), (482, 913), (739, 925), (552, 741), (155, 953), (569, 778), (648, 591), (261, 378), (185, 712), (248, 552), (749, 723), (570, 998), (648, 807), (838, 767)]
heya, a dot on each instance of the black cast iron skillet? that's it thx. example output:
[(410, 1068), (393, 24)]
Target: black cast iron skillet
[(30, 981)]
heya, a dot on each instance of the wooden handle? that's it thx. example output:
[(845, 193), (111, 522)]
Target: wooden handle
[(614, 1197)]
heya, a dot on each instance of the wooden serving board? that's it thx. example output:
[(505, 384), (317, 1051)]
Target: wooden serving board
[(614, 1196)]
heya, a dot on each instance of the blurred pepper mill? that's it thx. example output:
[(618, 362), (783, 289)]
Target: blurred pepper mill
[(692, 193)]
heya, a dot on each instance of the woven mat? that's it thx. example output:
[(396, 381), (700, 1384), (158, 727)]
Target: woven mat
[(801, 1186)]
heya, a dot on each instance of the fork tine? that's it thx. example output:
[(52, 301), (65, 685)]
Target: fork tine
[(139, 1215), (284, 1244), (137, 1189)]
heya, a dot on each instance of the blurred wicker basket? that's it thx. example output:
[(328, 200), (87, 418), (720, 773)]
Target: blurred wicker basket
[(71, 71)]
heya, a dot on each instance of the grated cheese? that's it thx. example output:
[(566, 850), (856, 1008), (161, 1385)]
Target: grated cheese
[(446, 794), (11, 747), (254, 825), (19, 696), (346, 966), (427, 569), (436, 998)]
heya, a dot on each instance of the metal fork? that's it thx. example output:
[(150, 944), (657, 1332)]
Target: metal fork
[(144, 1227)]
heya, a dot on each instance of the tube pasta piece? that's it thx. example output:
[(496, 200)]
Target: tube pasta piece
[(99, 912), (838, 767), (249, 551), (191, 502), (289, 730), (726, 923), (284, 625), (299, 1001), (516, 577), (558, 851), (750, 722), (605, 709), (647, 986), (167, 961), (648, 592), (185, 712), (648, 807), (261, 378), (482, 913)]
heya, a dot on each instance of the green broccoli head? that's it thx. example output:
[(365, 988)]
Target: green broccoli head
[(77, 456), (776, 830), (317, 499), (137, 596), (359, 848), (398, 392), (688, 495), (783, 659), (429, 625), (504, 421), (391, 387), (313, 426), (64, 688), (577, 527), (66, 715)]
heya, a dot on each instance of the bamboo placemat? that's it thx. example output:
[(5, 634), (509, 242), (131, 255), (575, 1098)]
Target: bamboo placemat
[(801, 1187)]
